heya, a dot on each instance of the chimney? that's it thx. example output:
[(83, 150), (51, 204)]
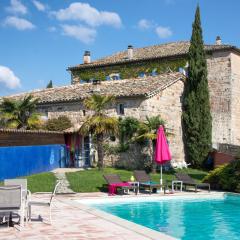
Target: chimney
[(86, 57), (218, 40), (130, 52)]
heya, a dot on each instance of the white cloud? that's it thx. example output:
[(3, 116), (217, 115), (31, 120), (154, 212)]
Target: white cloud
[(85, 13), (16, 7), (8, 78), (84, 34), (18, 23), (40, 6), (163, 32), (144, 24)]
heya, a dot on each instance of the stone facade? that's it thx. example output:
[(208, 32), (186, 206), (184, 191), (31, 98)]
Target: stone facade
[(224, 86), (154, 95), (235, 95), (166, 103), (223, 77)]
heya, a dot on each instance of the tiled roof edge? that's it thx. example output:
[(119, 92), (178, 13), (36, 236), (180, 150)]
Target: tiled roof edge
[(9, 130)]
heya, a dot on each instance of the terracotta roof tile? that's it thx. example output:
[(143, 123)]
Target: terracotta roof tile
[(9, 130), (145, 87), (150, 52)]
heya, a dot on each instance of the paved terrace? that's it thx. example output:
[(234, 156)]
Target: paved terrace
[(73, 220)]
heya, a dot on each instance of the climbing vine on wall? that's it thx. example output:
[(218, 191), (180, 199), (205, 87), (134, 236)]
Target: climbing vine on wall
[(128, 70)]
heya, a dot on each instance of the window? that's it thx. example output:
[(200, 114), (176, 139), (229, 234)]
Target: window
[(120, 109), (141, 75), (84, 112), (44, 117), (114, 76)]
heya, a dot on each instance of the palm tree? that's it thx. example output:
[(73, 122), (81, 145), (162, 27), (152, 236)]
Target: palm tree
[(20, 113), (99, 123), (148, 131)]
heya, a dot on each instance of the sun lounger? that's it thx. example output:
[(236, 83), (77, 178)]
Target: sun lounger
[(19, 181), (114, 182), (44, 204), (11, 201), (145, 181), (26, 194), (188, 181)]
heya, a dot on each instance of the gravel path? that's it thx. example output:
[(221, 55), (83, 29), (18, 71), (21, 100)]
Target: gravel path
[(64, 186)]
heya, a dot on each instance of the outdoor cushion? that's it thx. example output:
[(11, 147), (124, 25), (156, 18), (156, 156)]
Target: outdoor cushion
[(112, 188), (150, 183), (10, 197)]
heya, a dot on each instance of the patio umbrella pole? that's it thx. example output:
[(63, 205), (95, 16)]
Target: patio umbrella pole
[(162, 153), (161, 190)]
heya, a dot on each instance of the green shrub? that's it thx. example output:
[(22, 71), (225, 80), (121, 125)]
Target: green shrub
[(127, 128), (115, 149), (58, 124), (226, 177)]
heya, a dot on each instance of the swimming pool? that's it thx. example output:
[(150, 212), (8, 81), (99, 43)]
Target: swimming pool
[(184, 218)]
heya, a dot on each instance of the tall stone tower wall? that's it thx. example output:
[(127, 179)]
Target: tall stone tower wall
[(224, 87), (235, 94)]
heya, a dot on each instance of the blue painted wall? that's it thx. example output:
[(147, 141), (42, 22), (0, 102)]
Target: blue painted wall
[(20, 161)]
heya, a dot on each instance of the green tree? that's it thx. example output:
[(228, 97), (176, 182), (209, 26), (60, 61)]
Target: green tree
[(127, 128), (99, 123), (58, 124), (148, 131), (50, 84), (196, 116), (20, 113)]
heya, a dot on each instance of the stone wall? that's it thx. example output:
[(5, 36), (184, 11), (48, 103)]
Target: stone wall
[(224, 86), (135, 158), (74, 111), (219, 81), (235, 95), (168, 105)]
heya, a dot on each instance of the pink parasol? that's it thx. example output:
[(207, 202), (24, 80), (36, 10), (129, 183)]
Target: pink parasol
[(162, 152)]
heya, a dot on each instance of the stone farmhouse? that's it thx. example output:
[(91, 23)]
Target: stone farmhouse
[(149, 81)]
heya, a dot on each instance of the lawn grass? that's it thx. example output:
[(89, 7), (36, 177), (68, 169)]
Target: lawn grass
[(41, 182), (92, 180)]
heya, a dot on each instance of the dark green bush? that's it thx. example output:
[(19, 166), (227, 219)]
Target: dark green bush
[(226, 177), (58, 124), (115, 149), (127, 128)]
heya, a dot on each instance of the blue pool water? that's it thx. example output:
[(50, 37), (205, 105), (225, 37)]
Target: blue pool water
[(187, 219)]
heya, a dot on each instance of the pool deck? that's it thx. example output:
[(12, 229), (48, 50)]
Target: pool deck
[(72, 219)]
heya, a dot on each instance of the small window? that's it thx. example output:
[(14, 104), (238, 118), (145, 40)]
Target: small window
[(141, 75), (120, 109), (114, 76), (113, 138), (84, 112), (154, 72)]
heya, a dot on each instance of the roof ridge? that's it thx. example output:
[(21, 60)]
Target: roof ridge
[(138, 48)]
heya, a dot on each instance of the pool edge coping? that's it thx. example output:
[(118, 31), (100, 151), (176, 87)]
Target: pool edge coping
[(149, 233), (130, 226)]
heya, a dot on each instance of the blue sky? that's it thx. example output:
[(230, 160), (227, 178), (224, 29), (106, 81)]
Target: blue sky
[(40, 38)]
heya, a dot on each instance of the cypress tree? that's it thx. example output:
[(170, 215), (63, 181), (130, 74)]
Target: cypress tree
[(50, 84), (197, 118)]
